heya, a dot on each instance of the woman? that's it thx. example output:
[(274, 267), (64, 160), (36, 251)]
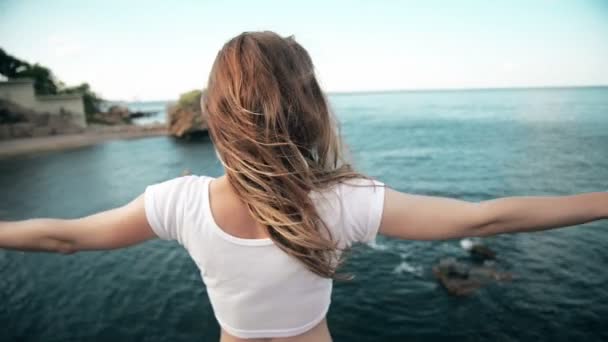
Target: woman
[(269, 235)]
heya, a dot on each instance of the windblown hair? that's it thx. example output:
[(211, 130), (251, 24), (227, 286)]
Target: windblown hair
[(278, 141)]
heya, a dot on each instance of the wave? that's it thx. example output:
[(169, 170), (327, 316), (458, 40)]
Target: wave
[(378, 247), (468, 243), (406, 267)]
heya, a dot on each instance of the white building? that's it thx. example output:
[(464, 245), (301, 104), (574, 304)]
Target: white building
[(21, 92)]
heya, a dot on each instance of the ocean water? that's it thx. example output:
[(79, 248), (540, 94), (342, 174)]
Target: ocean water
[(472, 145)]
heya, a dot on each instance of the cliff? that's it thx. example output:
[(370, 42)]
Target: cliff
[(185, 118)]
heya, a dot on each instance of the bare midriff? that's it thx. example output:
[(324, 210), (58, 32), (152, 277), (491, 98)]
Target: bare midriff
[(320, 333)]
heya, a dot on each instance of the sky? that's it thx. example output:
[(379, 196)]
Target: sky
[(156, 50)]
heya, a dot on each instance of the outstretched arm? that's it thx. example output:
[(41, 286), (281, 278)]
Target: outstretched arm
[(418, 217), (116, 228)]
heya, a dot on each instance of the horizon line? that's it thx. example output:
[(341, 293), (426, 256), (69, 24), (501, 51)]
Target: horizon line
[(420, 90), (423, 90)]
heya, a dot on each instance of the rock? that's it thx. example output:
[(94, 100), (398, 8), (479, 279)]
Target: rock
[(453, 268), (5, 132), (488, 273), (42, 119), (119, 111), (11, 113), (461, 279), (141, 114), (185, 121), (457, 287), (185, 118), (116, 115), (482, 252), (43, 131), (22, 130), (62, 125), (20, 122), (477, 250)]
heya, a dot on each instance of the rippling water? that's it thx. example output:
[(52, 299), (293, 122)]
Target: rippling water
[(472, 145)]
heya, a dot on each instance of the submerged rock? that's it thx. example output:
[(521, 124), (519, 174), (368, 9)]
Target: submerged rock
[(477, 250), (461, 278)]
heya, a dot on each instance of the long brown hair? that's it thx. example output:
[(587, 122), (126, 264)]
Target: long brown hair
[(273, 129)]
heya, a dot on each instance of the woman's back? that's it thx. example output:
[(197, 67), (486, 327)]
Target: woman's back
[(268, 235), (257, 290)]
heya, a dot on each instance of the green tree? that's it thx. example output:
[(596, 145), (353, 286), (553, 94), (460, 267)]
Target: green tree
[(9, 65), (44, 81), (91, 101), (191, 100)]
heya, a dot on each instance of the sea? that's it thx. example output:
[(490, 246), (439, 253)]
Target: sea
[(471, 145)]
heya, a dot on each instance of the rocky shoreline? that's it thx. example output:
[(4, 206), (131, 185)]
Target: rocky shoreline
[(23, 130), (94, 134), (184, 118)]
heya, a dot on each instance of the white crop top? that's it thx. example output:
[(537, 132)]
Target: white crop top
[(256, 290)]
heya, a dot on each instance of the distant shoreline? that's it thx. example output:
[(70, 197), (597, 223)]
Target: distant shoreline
[(394, 91), (92, 136), (440, 90)]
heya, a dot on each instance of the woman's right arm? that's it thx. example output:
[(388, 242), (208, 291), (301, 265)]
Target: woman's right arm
[(418, 217), (116, 228)]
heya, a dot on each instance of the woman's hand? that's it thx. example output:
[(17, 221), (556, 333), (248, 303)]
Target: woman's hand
[(116, 228), (419, 217)]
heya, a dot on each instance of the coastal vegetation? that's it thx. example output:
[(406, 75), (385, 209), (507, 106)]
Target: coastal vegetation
[(191, 100), (47, 83), (45, 129), (184, 117)]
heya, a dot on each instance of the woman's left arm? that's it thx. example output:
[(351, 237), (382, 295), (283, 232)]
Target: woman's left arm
[(115, 228)]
